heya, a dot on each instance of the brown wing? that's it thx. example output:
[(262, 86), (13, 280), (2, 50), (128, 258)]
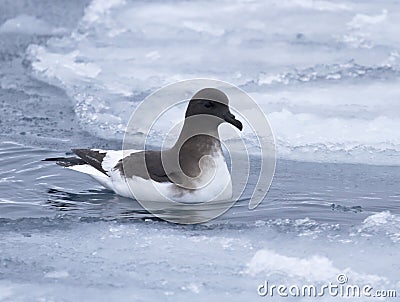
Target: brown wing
[(144, 164)]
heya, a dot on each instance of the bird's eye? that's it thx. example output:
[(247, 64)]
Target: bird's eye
[(208, 104)]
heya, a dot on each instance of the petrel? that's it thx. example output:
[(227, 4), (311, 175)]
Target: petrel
[(194, 169)]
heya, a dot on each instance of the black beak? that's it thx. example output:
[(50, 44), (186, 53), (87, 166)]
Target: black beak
[(230, 118)]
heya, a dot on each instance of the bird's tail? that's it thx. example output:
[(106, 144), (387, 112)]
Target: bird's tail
[(66, 161)]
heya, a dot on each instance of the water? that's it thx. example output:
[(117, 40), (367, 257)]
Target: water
[(330, 94)]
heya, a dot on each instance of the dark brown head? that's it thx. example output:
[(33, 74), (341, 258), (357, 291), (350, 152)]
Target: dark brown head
[(212, 102)]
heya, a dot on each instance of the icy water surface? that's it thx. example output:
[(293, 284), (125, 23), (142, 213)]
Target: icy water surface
[(70, 74), (64, 237)]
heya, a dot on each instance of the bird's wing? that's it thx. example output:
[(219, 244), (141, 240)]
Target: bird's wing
[(93, 158), (130, 163), (144, 164), (103, 160)]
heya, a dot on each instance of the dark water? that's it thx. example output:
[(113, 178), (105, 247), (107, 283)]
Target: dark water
[(327, 193)]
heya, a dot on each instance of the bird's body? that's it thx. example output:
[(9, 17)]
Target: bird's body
[(218, 188), (193, 170)]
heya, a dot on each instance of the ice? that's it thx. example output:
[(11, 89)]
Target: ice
[(5, 291), (30, 25), (383, 223), (64, 259), (379, 219), (315, 83), (99, 10), (70, 68), (361, 20), (270, 262)]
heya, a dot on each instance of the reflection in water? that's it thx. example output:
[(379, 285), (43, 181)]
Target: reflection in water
[(105, 204), (101, 203)]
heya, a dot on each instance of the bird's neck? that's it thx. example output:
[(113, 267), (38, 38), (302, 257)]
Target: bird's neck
[(203, 138), (194, 143), (191, 128)]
